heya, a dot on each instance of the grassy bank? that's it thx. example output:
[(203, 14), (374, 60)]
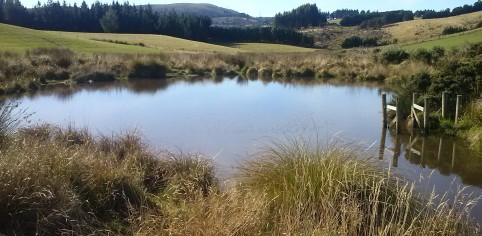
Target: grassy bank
[(65, 181)]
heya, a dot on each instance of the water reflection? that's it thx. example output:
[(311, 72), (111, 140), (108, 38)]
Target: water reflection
[(448, 155), (65, 92)]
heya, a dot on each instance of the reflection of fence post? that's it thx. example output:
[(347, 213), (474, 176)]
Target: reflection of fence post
[(444, 105), (397, 127), (426, 113), (384, 110), (440, 150), (457, 108), (422, 153), (398, 147), (453, 157), (381, 149)]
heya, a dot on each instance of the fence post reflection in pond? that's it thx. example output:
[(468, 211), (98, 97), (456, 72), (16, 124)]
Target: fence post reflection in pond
[(398, 148), (439, 156), (383, 138), (411, 149), (453, 156)]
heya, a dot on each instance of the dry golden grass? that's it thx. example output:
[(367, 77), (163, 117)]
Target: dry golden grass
[(422, 30)]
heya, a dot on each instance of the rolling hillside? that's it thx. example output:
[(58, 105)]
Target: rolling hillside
[(422, 30), (14, 38), (451, 41), (221, 17)]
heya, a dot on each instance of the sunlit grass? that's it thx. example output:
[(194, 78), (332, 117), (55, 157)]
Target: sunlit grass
[(423, 30), (448, 42)]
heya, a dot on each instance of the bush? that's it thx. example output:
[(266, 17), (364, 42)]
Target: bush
[(422, 54), (252, 72), (394, 56), (352, 42), (147, 70), (266, 73), (453, 30), (61, 57), (94, 76)]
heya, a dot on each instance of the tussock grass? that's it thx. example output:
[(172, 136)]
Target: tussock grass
[(318, 191), (57, 181)]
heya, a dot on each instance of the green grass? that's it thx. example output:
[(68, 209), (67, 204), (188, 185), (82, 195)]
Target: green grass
[(18, 39), (269, 47), (160, 42), (337, 21), (454, 41), (428, 29)]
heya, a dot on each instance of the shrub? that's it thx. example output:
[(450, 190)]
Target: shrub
[(149, 70), (422, 54), (394, 56), (94, 76), (357, 41), (266, 73), (351, 42), (453, 30), (61, 57), (217, 71), (252, 72)]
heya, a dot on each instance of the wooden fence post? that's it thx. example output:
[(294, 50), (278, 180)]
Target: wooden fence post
[(426, 113), (457, 108), (444, 105), (384, 110)]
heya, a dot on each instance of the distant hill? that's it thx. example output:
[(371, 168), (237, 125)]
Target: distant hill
[(198, 9), (221, 17)]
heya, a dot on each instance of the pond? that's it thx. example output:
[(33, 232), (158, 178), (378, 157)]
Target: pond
[(229, 119)]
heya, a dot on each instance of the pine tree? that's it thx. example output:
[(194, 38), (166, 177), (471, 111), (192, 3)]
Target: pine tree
[(110, 21)]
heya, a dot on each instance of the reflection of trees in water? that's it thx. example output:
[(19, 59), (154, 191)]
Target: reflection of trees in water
[(446, 154)]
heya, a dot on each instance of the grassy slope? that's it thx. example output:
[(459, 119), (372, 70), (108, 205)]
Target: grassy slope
[(422, 30), (269, 47), (449, 41), (13, 38), (162, 42)]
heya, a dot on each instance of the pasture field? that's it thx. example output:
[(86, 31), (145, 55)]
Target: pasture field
[(422, 30), (268, 47), (448, 42), (19, 39)]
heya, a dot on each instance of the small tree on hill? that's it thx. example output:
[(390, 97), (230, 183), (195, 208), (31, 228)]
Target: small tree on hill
[(110, 21)]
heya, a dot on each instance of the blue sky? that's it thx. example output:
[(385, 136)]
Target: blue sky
[(271, 7)]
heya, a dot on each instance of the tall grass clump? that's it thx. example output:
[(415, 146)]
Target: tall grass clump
[(321, 191), (150, 70), (470, 126), (64, 181)]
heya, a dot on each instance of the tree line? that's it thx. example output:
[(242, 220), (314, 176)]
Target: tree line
[(303, 16), (376, 19), (126, 18), (465, 9), (264, 34)]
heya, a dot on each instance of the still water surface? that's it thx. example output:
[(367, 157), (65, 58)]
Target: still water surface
[(230, 119)]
